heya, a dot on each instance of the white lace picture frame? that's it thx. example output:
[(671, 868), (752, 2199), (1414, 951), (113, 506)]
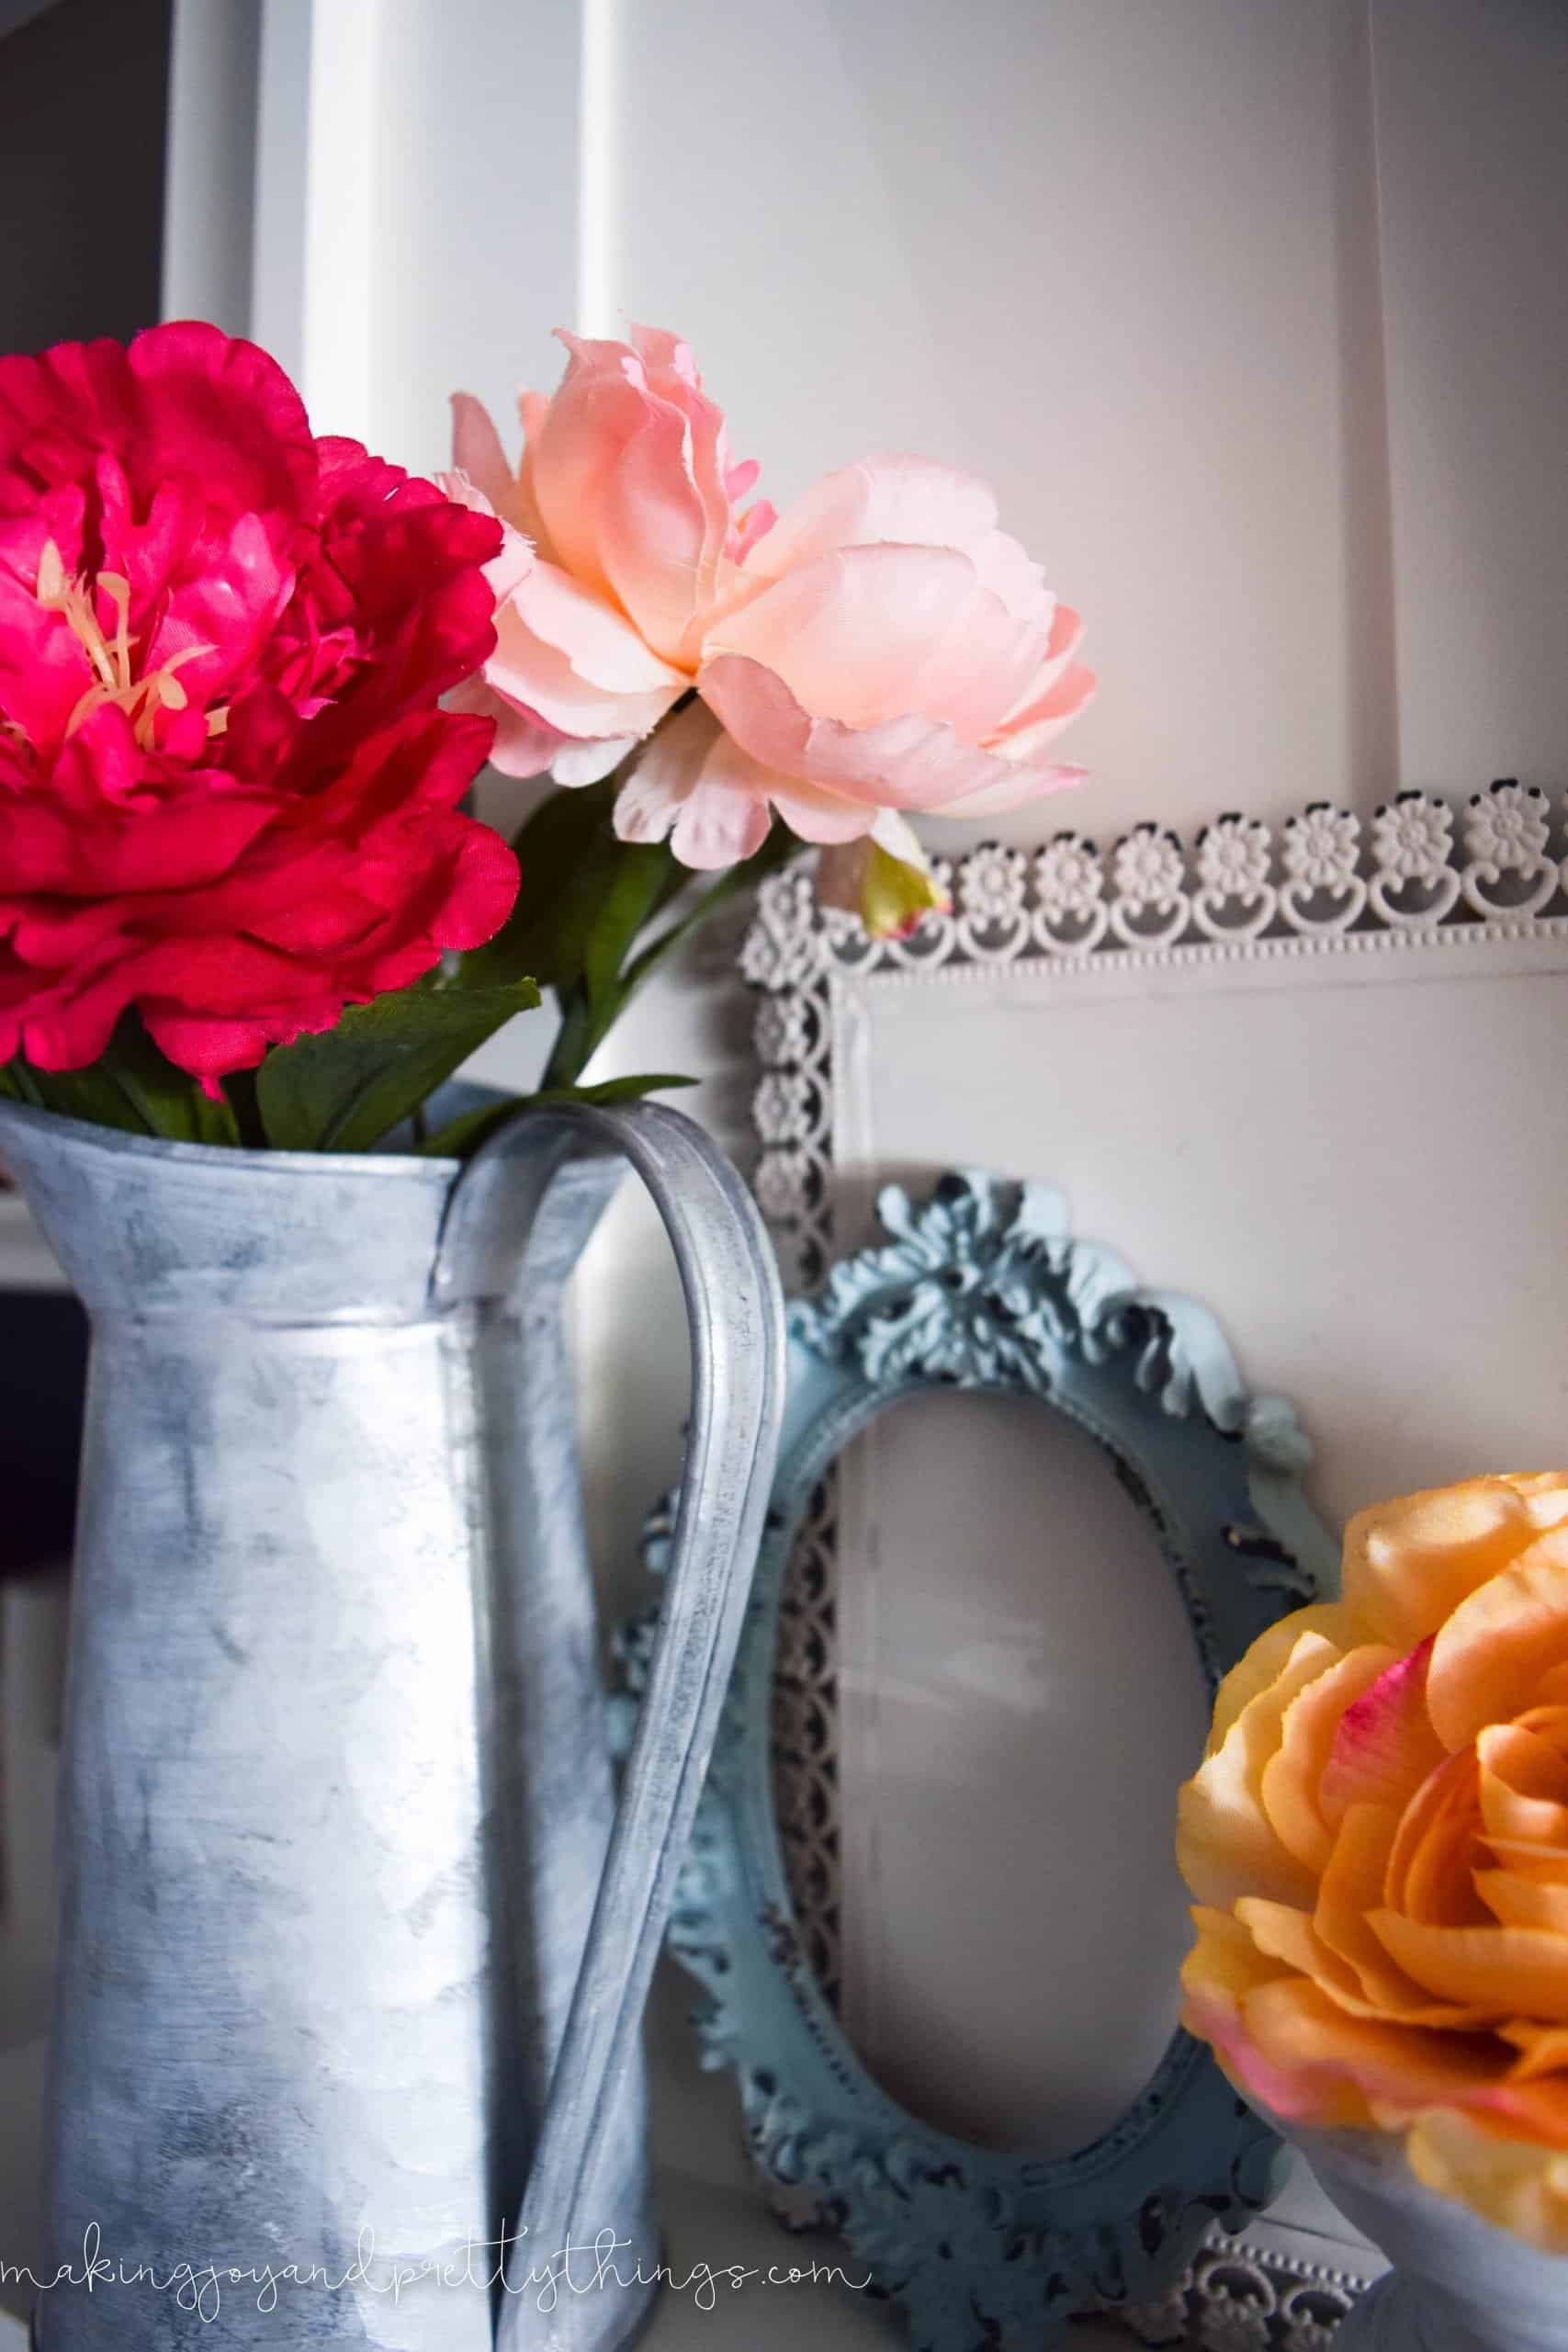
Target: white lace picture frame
[(1394, 960), (1490, 873)]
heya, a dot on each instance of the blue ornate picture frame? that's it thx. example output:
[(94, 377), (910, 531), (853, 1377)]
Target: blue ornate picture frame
[(984, 1286)]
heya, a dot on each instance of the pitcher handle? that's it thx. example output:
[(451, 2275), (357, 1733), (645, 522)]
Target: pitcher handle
[(735, 1310)]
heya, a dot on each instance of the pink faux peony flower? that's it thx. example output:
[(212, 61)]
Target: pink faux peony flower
[(228, 794), (630, 501), (893, 650), (882, 647)]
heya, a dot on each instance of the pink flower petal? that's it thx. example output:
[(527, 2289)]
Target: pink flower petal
[(717, 827), (1384, 1746), (914, 502), (524, 744), (694, 783), (575, 442), (870, 632), (905, 763), (601, 681), (659, 537), (477, 452), (1042, 720), (588, 762), (663, 353), (908, 501), (817, 816), (604, 648), (1019, 784), (515, 561)]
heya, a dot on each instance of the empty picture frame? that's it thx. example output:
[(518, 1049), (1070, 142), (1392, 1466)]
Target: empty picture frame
[(982, 1292), (1315, 1073)]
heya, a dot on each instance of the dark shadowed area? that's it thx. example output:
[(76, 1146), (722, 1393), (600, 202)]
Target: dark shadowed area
[(44, 1358), (84, 84), (82, 168)]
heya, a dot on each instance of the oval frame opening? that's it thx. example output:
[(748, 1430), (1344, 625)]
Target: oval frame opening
[(985, 1686)]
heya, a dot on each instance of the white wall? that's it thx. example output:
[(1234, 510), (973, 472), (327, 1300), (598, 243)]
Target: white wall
[(1089, 251), (1473, 98)]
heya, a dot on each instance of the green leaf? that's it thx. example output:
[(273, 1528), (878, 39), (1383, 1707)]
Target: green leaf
[(585, 901), (589, 1012), (89, 1094), (777, 850), (584, 897), (465, 1133), (575, 1040), (170, 1101), (340, 1091), (132, 1087), (557, 895), (635, 877)]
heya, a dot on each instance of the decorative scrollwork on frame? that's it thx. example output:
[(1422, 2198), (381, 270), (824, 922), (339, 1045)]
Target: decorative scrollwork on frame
[(982, 1284), (1413, 838), (1506, 870), (1237, 2297), (1419, 870)]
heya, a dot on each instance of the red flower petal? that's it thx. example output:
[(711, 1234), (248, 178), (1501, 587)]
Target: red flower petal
[(228, 794)]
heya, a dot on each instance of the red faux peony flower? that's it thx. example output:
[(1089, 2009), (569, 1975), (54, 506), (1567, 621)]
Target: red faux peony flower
[(228, 796)]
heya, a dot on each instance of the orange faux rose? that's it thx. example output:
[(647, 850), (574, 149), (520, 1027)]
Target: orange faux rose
[(1378, 1842)]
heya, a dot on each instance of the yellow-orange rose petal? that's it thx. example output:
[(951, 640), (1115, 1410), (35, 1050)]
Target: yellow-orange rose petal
[(1410, 1563), (1507, 1971), (1384, 1747), (1520, 1902), (1353, 1887), (1544, 1494), (1543, 2049), (1225, 1844), (1293, 1787), (1430, 1871), (1488, 1659), (1328, 2064), (1515, 2184), (1384, 1822), (1223, 1967), (1268, 1658)]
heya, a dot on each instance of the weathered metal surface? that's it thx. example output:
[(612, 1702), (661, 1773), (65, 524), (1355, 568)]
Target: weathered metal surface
[(336, 1797)]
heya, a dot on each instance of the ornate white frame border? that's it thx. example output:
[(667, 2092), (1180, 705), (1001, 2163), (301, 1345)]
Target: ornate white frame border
[(1422, 874)]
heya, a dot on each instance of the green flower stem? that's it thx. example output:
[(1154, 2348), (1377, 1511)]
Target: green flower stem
[(589, 1014), (239, 1086)]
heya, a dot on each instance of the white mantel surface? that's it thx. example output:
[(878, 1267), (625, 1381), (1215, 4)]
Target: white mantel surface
[(712, 2215)]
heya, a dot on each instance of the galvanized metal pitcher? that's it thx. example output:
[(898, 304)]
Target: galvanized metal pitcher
[(350, 1993)]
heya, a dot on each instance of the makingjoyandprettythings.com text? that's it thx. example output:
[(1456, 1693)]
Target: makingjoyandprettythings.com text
[(484, 2262)]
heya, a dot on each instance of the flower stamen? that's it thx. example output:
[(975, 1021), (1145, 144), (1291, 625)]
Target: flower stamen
[(140, 699)]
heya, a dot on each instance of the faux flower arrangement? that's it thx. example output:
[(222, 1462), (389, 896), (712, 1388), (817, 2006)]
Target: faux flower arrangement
[(1378, 1842), (248, 674)]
